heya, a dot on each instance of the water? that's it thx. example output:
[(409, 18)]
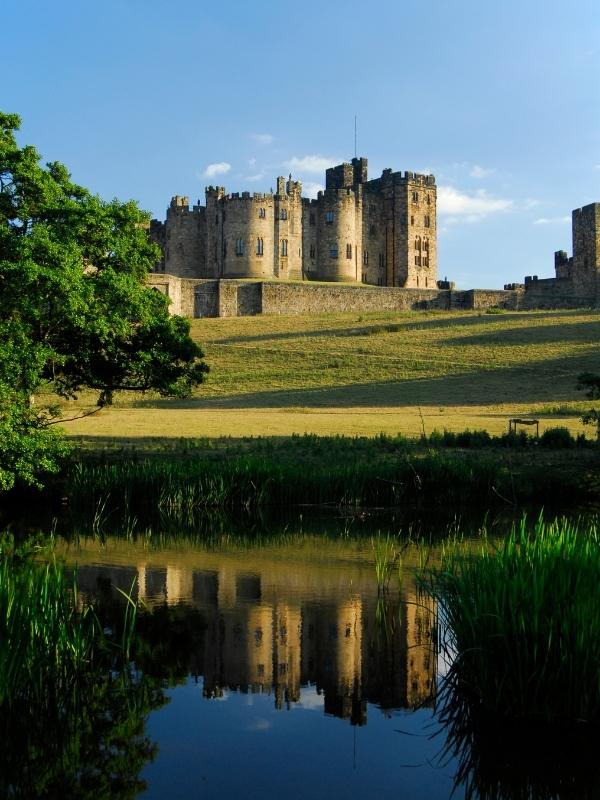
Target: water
[(288, 673)]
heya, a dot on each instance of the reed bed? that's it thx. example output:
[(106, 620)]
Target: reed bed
[(178, 489), (523, 626), (50, 640)]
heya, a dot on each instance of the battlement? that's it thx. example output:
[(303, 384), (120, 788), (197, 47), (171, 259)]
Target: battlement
[(592, 209), (180, 205)]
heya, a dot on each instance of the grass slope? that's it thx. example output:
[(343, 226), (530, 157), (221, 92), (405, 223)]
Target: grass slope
[(371, 373)]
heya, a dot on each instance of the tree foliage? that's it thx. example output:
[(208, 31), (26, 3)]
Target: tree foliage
[(591, 384), (74, 311)]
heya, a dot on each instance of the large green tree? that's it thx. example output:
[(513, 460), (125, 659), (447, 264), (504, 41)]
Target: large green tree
[(74, 311)]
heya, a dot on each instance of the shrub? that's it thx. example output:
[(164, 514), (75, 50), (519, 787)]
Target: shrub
[(557, 438)]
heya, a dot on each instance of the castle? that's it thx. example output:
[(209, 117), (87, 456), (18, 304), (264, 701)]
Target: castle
[(374, 242), (380, 232)]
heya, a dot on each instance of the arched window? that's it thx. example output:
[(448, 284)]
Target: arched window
[(283, 214), (284, 246), (239, 247), (418, 243), (259, 246), (348, 251)]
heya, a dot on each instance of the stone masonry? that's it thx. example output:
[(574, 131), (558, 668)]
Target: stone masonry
[(380, 232)]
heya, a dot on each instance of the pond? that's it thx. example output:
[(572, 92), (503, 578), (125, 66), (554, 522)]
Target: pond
[(301, 679), (301, 658)]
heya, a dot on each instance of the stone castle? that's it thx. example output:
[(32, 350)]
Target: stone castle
[(373, 241), (380, 232)]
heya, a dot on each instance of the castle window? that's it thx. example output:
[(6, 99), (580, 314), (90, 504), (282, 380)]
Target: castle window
[(312, 251), (381, 259), (428, 200), (365, 257), (427, 221), (348, 251), (329, 217), (418, 260), (284, 246), (415, 197), (412, 220), (283, 214), (426, 261), (425, 282), (259, 246), (262, 213), (426, 244), (311, 219), (417, 243), (239, 247), (333, 252), (417, 281)]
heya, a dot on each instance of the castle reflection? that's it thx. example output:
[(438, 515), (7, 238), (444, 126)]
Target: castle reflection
[(273, 629)]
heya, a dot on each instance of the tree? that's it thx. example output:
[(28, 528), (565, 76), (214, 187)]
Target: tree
[(591, 383), (74, 310)]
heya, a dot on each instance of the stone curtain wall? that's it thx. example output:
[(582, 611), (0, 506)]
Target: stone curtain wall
[(227, 298)]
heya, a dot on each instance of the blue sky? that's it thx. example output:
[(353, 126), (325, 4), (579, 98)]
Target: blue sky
[(142, 99)]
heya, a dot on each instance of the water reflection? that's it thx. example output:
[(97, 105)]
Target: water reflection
[(271, 624)]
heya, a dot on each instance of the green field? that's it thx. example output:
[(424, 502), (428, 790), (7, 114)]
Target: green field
[(362, 374)]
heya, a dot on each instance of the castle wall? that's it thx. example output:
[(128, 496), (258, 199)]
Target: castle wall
[(185, 239), (232, 298)]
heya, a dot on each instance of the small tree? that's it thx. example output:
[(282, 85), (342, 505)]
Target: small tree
[(591, 384), (74, 310)]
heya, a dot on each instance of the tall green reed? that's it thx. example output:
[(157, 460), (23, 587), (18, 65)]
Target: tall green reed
[(522, 624)]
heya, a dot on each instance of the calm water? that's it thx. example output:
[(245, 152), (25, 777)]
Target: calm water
[(288, 674)]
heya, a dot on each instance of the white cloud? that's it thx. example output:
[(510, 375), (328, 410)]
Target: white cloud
[(219, 168), (480, 172), (311, 189), (259, 725), (263, 138), (310, 163), (552, 220), (457, 205)]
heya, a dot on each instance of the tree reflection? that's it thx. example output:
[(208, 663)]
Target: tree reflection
[(90, 744)]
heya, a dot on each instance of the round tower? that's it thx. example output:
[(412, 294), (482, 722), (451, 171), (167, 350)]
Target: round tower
[(248, 236), (336, 234)]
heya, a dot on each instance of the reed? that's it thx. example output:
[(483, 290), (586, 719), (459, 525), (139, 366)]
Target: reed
[(178, 489), (50, 638), (522, 625)]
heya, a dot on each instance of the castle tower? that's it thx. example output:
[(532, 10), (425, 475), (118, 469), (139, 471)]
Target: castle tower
[(586, 247), (184, 239)]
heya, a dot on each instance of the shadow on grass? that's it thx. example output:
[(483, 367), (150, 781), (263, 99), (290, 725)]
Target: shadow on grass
[(403, 322), (552, 380)]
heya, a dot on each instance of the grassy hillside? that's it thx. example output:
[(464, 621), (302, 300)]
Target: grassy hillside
[(368, 373)]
